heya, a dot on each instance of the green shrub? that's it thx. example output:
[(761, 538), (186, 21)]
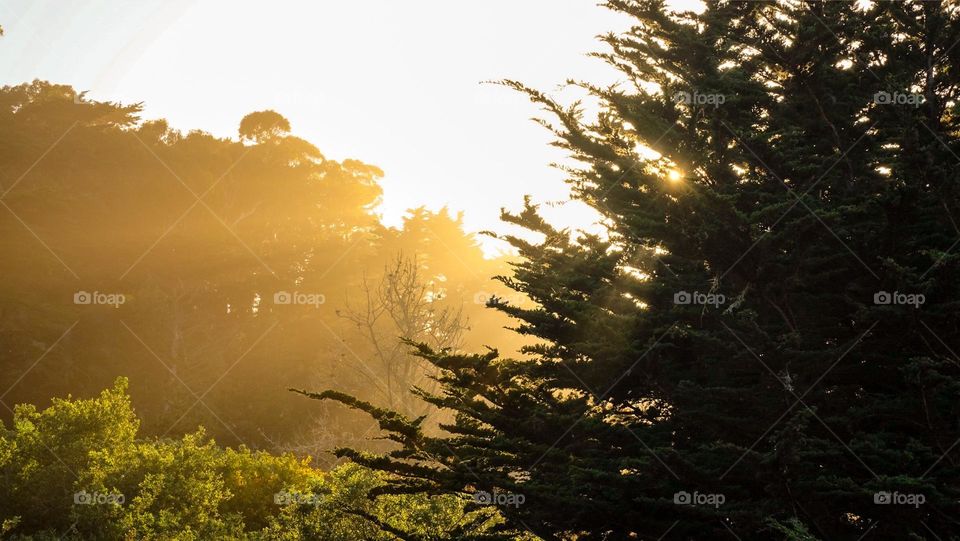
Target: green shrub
[(76, 470)]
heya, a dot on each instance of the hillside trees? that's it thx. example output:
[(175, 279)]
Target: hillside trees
[(232, 257)]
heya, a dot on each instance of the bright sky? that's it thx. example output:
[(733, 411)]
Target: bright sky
[(395, 84)]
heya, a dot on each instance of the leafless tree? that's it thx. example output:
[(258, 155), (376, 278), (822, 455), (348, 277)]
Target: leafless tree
[(403, 305)]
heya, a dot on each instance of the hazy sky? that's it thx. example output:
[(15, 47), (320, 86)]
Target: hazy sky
[(395, 84)]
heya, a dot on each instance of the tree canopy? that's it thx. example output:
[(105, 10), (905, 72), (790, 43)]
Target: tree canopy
[(209, 245), (761, 345), (80, 469)]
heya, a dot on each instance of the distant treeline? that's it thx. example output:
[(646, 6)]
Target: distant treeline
[(216, 273)]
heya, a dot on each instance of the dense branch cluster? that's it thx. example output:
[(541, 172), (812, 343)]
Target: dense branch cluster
[(769, 325)]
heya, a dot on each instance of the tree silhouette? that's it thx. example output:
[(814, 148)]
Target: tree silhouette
[(263, 126), (199, 234), (763, 342)]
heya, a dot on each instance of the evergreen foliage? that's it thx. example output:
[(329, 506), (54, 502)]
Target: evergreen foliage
[(795, 163)]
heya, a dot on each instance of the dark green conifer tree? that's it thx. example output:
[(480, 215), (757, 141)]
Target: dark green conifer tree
[(764, 346)]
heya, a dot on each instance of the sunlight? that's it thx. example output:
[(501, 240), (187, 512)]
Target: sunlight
[(496, 270), (696, 6), (646, 152)]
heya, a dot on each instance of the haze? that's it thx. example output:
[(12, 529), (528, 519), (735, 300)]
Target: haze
[(395, 84)]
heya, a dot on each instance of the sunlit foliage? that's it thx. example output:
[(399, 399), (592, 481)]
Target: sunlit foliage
[(79, 469), (233, 258)]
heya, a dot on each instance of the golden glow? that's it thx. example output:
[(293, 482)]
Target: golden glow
[(675, 175), (646, 152), (429, 156)]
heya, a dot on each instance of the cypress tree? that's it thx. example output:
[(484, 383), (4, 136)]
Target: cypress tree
[(764, 344)]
